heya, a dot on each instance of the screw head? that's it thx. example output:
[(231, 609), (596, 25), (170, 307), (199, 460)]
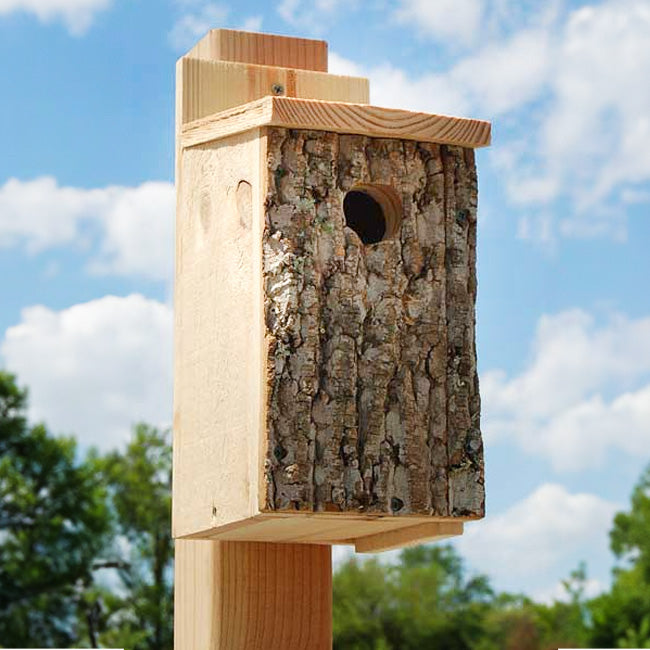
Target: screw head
[(277, 89)]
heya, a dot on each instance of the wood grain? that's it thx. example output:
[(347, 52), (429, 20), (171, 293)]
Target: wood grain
[(218, 335), (212, 86), (252, 596), (338, 117), (262, 49), (316, 528), (409, 536)]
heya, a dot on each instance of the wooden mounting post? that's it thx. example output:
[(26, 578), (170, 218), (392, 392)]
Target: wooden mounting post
[(252, 595), (325, 382)]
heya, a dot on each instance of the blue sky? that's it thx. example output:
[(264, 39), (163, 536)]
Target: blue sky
[(86, 214)]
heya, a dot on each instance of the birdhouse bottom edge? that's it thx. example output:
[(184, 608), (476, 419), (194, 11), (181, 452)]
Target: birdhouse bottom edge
[(365, 533)]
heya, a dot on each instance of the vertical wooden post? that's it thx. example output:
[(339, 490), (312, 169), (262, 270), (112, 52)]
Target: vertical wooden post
[(252, 595)]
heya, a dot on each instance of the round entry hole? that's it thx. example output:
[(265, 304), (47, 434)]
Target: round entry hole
[(373, 212)]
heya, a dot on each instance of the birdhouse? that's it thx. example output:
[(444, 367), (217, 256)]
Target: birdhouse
[(326, 387)]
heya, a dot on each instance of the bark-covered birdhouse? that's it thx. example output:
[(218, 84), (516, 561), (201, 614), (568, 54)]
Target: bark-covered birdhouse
[(325, 363)]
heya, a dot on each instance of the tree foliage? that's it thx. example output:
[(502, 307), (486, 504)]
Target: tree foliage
[(86, 560), (621, 617), (139, 481), (85, 541), (54, 521), (426, 600)]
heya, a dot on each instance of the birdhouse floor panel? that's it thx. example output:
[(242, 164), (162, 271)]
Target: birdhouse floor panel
[(366, 533)]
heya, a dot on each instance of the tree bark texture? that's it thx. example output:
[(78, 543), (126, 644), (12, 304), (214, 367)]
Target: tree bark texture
[(372, 390)]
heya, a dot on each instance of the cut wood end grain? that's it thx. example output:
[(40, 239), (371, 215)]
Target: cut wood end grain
[(338, 117), (261, 49)]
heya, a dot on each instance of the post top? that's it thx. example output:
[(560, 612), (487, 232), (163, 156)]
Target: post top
[(261, 49)]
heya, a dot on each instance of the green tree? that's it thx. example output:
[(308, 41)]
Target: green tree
[(622, 616), (361, 601), (424, 601), (138, 614), (53, 522)]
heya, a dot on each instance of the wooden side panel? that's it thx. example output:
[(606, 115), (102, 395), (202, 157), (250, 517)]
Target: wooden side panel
[(214, 86), (218, 335), (252, 596), (262, 49)]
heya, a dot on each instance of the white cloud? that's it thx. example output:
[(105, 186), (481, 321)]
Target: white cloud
[(506, 75), (77, 15), (195, 24), (565, 90), (96, 368), (138, 232), (584, 392), (600, 109), (494, 80), (450, 20), (533, 545), (311, 15), (590, 143), (133, 225), (252, 24), (40, 214), (536, 534), (287, 9), (198, 19)]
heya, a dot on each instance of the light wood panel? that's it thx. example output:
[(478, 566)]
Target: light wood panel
[(409, 536), (338, 117), (262, 49), (334, 528), (252, 596), (208, 87), (218, 334)]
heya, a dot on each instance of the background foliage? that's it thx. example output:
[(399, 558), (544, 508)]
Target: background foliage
[(86, 561)]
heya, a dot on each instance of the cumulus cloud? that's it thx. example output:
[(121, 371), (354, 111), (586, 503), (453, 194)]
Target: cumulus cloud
[(196, 23), (77, 15), (537, 533), (531, 542), (590, 143), (129, 230), (495, 80), (393, 87), (252, 24), (564, 89), (311, 15), (450, 20), (584, 392), (138, 227), (96, 368), (196, 19)]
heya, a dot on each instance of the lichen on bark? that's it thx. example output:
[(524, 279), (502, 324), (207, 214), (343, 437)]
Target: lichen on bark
[(372, 390)]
